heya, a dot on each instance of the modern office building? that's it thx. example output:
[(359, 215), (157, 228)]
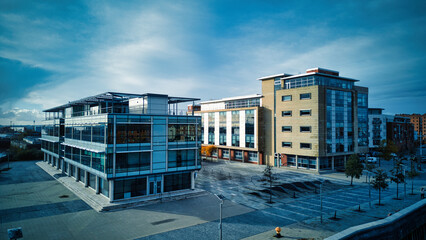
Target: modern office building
[(124, 145), (233, 125), (314, 120)]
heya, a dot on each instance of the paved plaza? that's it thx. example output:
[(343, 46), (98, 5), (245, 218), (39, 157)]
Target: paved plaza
[(30, 198)]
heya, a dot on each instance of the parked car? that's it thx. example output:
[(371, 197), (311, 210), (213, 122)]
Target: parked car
[(372, 160)]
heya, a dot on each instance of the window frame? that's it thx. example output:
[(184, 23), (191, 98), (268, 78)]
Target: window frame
[(290, 129), (302, 115), (285, 115), (286, 100), (286, 144), (310, 146), (310, 129), (310, 96)]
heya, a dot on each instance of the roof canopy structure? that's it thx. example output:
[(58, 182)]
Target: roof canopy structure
[(117, 97)]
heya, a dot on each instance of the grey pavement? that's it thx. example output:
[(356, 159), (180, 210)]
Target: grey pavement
[(45, 209), (30, 198)]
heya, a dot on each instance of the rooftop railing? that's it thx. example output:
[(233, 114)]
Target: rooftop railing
[(122, 110)]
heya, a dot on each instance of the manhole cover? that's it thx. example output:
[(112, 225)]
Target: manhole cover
[(63, 196)]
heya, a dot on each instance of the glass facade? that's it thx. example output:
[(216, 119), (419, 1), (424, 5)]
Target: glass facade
[(306, 162), (211, 128), (179, 181), (85, 157), (242, 103), (235, 128), (222, 128), (127, 163), (317, 80), (130, 188), (340, 137), (362, 119), (249, 126), (181, 158)]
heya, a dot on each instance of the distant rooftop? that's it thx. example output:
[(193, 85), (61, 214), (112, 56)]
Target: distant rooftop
[(280, 75), (233, 98)]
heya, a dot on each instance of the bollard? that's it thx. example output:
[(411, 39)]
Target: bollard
[(278, 232)]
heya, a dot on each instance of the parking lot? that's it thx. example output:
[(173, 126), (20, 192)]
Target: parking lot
[(45, 209)]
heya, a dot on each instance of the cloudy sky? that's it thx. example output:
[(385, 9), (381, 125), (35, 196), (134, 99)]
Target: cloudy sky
[(52, 52)]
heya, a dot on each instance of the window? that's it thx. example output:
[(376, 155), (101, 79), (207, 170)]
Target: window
[(286, 144), (286, 113), (286, 128), (286, 98), (305, 145), (305, 96), (238, 155), (174, 182), (305, 112), (305, 129)]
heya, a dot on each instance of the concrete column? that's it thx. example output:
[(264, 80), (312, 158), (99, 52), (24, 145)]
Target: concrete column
[(62, 165), (297, 163), (57, 163), (332, 163), (98, 179), (345, 160), (111, 190), (69, 168), (192, 180), (77, 174), (318, 164), (86, 178)]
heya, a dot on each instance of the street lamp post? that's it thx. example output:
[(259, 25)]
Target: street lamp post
[(321, 200), (369, 190), (221, 198)]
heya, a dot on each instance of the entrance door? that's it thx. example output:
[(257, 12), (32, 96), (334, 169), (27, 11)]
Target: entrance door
[(154, 186)]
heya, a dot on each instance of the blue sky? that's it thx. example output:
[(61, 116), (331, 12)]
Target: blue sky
[(52, 52)]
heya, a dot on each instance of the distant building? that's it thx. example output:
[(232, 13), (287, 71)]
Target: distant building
[(314, 120), (401, 132), (419, 122), (397, 129), (234, 126), (377, 126), (192, 109), (124, 145)]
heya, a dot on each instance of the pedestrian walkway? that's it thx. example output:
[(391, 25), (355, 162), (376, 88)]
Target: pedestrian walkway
[(101, 203)]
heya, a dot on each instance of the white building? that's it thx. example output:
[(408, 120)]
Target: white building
[(233, 126), (377, 126)]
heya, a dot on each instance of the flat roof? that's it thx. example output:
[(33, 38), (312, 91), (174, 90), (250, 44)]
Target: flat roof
[(274, 76), (117, 97), (321, 74), (233, 98), (324, 69)]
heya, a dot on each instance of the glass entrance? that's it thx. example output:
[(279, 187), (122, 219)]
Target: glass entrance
[(154, 185)]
